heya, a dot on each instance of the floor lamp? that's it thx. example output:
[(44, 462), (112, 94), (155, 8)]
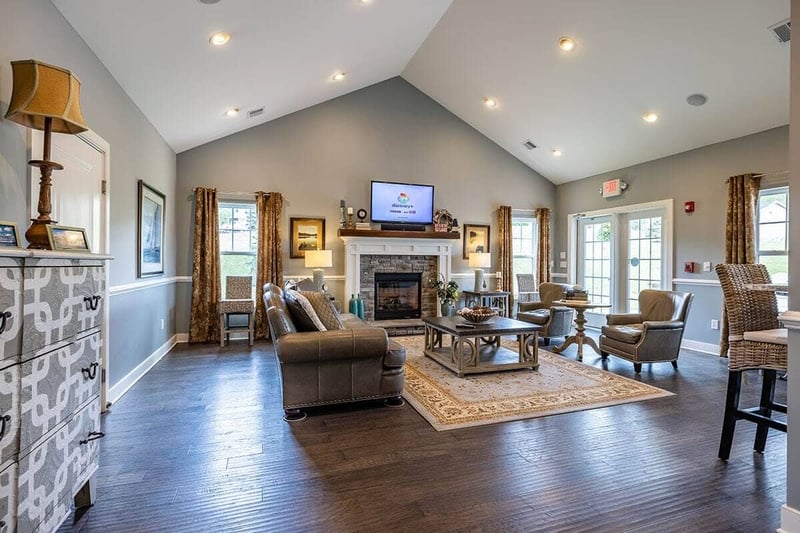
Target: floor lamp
[(45, 98), (319, 259), (479, 261)]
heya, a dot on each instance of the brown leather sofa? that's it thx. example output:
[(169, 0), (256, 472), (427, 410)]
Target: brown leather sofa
[(556, 321), (329, 367), (653, 334)]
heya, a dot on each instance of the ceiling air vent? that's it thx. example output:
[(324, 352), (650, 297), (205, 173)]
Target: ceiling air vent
[(782, 31), (528, 144), (253, 113)]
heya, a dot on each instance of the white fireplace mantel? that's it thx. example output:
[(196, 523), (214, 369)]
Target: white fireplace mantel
[(355, 247)]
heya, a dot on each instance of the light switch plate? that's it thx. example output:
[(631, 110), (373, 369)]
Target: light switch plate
[(706, 266)]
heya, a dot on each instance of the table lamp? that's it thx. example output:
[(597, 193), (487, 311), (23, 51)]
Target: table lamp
[(319, 259), (479, 261), (45, 98)]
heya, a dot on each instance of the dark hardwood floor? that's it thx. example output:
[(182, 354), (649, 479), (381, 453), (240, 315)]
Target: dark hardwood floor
[(199, 445)]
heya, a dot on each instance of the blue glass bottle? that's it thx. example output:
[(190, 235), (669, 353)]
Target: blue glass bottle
[(360, 306), (352, 306)]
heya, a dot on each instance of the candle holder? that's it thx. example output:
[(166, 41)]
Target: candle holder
[(350, 222)]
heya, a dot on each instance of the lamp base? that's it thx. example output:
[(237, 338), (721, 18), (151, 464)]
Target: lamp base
[(479, 286), (37, 236), (319, 279)]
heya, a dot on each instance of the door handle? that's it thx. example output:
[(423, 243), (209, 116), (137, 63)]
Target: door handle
[(3, 421), (91, 372), (91, 302), (4, 320), (93, 435)]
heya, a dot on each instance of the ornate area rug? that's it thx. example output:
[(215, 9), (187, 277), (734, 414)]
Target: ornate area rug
[(559, 386)]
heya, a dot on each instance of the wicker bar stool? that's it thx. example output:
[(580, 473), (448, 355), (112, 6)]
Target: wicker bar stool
[(757, 342), (238, 301)]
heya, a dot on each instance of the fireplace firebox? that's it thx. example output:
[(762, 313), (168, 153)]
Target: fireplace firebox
[(398, 295)]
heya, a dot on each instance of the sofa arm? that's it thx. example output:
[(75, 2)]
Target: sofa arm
[(333, 345), (662, 324), (530, 306), (622, 319)]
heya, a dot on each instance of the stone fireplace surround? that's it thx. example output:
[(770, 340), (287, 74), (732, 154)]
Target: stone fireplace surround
[(364, 255)]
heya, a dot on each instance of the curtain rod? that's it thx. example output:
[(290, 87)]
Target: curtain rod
[(766, 175), (237, 193)]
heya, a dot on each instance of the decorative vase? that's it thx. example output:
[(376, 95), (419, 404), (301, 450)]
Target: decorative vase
[(448, 308), (352, 305), (360, 306)]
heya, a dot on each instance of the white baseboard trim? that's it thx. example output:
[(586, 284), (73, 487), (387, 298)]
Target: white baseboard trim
[(790, 520), (116, 391), (703, 347), (181, 338)]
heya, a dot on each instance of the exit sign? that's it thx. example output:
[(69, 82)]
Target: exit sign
[(612, 188)]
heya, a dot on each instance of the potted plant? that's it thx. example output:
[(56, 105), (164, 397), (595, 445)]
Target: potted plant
[(447, 291)]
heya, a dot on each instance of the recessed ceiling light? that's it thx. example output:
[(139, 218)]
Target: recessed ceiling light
[(650, 117), (339, 76), (566, 44), (209, 2), (365, 1), (491, 103), (556, 152), (696, 99), (219, 38), (232, 112)]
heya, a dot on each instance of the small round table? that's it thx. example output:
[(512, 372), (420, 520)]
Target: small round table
[(580, 338)]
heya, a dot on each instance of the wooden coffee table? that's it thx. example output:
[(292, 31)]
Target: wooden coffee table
[(478, 349)]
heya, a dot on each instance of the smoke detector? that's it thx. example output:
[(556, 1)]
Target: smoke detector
[(782, 31)]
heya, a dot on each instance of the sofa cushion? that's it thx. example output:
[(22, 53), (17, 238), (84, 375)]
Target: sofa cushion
[(303, 314), (630, 333), (537, 316), (324, 308), (395, 354)]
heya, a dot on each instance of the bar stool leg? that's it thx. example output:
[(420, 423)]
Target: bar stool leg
[(729, 418), (767, 397)]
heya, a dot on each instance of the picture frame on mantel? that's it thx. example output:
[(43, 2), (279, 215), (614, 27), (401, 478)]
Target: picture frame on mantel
[(306, 233), (150, 232), (67, 238), (476, 239), (9, 235)]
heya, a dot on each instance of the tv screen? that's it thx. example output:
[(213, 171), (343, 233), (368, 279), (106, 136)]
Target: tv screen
[(403, 203)]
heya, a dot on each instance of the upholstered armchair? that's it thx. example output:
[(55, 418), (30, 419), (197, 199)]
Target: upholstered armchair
[(653, 334), (556, 321)]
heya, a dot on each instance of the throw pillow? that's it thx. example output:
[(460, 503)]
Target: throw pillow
[(303, 314), (324, 308)]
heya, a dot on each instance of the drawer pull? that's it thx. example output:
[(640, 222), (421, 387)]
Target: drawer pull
[(91, 372), (3, 421), (91, 302), (4, 320), (93, 435)]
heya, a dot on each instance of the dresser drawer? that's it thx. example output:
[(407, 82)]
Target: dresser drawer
[(60, 302), (55, 384), (8, 498), (49, 474), (9, 413), (10, 310)]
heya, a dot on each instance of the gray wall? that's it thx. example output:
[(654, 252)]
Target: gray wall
[(35, 29), (697, 175), (330, 152)]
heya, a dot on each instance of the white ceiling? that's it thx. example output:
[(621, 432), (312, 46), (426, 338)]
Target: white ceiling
[(632, 56)]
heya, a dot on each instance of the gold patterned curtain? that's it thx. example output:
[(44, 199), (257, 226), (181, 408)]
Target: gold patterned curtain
[(269, 207), (740, 232), (543, 255), (204, 321), (506, 254)]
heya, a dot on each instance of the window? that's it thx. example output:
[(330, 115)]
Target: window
[(523, 243), (238, 240), (773, 232)]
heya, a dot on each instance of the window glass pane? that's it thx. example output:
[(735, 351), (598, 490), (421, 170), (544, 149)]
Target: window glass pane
[(772, 237), (237, 265), (772, 207), (777, 266)]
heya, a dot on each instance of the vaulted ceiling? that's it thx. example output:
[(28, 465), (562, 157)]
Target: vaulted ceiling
[(630, 57)]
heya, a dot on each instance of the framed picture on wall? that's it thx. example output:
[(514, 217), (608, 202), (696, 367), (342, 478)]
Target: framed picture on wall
[(150, 236), (305, 234), (67, 239), (476, 239), (9, 235)]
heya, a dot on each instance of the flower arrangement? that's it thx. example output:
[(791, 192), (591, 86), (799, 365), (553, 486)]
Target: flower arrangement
[(447, 291)]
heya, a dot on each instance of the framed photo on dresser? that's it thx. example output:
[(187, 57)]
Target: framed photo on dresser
[(9, 235)]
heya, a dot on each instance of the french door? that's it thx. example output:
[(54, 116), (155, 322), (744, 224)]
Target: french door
[(620, 253)]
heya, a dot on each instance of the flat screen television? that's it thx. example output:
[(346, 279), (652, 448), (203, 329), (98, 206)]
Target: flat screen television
[(401, 203)]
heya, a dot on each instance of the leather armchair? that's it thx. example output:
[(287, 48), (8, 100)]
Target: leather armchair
[(653, 334), (556, 321), (328, 367)]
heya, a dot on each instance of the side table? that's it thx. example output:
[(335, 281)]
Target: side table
[(580, 338)]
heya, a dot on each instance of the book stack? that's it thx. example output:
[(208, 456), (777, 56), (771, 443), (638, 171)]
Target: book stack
[(363, 225), (577, 294)]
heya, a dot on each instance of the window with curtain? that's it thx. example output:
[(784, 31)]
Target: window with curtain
[(238, 240), (524, 238), (773, 236)]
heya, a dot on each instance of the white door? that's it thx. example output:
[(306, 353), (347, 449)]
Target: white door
[(596, 263), (641, 256), (79, 198)]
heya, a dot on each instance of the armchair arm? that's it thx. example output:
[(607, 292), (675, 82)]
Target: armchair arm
[(622, 319), (530, 306), (333, 345), (661, 324)]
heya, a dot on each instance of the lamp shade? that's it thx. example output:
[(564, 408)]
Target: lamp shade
[(480, 259), (319, 258), (43, 91)]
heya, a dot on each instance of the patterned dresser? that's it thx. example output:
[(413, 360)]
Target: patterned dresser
[(51, 313)]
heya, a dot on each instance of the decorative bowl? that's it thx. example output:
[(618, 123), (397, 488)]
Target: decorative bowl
[(477, 314)]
